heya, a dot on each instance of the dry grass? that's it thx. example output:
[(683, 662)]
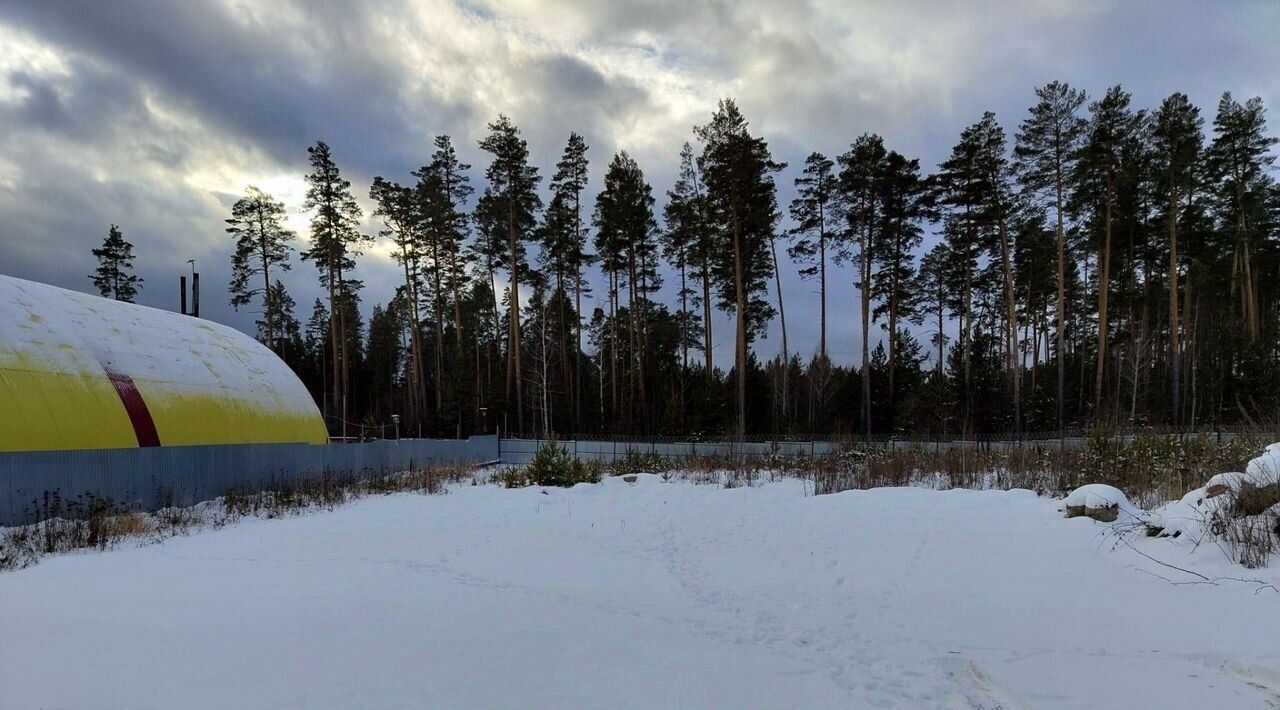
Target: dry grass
[(98, 524), (1151, 469)]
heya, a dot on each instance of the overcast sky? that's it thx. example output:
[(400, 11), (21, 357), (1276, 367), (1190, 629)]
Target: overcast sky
[(156, 115)]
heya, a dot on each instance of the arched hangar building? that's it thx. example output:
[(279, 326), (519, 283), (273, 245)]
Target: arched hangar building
[(83, 372)]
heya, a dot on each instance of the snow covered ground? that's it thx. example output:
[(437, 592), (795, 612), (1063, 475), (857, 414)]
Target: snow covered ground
[(653, 595)]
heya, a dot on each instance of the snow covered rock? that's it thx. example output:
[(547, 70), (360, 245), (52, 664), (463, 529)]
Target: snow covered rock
[(1265, 470), (1100, 502), (1256, 490), (1190, 515), (1223, 483), (1259, 488)]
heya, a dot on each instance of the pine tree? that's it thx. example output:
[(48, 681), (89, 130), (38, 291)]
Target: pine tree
[(114, 277), (513, 184), (262, 242), (626, 238), (404, 223), (932, 283), (683, 244), (1047, 145), (738, 172), (556, 258), (862, 171), (1240, 159), (567, 185), (963, 191), (442, 191), (1110, 130), (690, 239), (1178, 144), (335, 242), (1035, 266), (813, 210), (994, 174), (903, 203), (489, 249)]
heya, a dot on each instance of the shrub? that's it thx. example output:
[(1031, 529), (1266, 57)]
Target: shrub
[(641, 462), (552, 465)]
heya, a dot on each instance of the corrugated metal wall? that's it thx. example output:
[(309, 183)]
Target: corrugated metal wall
[(151, 478)]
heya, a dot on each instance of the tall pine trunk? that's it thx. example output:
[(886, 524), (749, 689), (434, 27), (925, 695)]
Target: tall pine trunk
[(562, 341), (268, 315), (336, 404), (706, 318), (684, 336), (864, 268), (613, 345), (577, 349), (822, 281), (438, 308), (1011, 322), (635, 377), (966, 332), (1175, 370), (514, 371), (417, 394), (346, 369), (1104, 283), (577, 328), (1062, 295), (740, 298), (786, 357)]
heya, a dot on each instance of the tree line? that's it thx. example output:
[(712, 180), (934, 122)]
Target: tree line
[(1105, 264)]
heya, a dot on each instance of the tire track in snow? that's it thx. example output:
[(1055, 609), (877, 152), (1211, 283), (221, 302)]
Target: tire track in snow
[(1264, 680), (977, 687)]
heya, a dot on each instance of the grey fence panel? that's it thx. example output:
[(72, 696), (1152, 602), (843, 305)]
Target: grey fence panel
[(518, 451), (36, 484), (602, 451)]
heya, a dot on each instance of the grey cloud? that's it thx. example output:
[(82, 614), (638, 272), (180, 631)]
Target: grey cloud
[(282, 87), (42, 106), (87, 105)]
